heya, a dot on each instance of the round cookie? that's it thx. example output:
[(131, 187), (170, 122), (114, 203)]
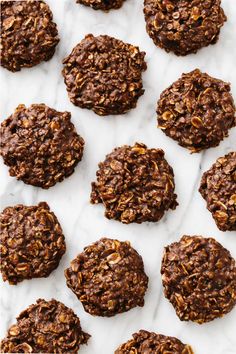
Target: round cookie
[(199, 278), (218, 188), (135, 184), (108, 278), (31, 242), (149, 343), (104, 5), (28, 34), (45, 327), (183, 26), (40, 145), (197, 111), (104, 74)]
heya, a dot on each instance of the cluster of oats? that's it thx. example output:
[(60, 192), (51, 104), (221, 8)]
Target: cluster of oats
[(199, 278), (104, 5), (149, 343), (28, 34), (45, 327), (104, 74), (218, 188), (135, 184), (31, 242), (183, 26), (197, 110), (108, 278), (40, 145)]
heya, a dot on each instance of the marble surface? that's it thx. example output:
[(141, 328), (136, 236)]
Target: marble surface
[(84, 223)]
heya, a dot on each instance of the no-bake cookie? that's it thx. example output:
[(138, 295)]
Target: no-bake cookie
[(183, 26), (199, 278), (104, 74), (135, 184), (150, 343), (28, 34), (104, 5), (31, 242), (218, 188), (45, 327), (108, 278), (197, 111), (40, 145)]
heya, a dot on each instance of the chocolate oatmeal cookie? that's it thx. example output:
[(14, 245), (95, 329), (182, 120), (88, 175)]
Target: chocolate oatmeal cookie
[(197, 111), (45, 327), (135, 184), (31, 242), (104, 5), (40, 145), (28, 34), (183, 26), (108, 278), (104, 74), (150, 343), (199, 278), (218, 188)]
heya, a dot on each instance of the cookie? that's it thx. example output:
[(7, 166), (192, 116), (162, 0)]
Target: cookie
[(108, 278), (45, 327), (199, 278), (183, 26), (135, 184), (31, 242), (150, 343), (40, 145), (104, 74), (28, 34), (197, 111), (218, 188), (104, 5)]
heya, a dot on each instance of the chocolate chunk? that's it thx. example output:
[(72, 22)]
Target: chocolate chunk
[(218, 188), (197, 111), (108, 278), (45, 327), (104, 74), (40, 145), (135, 184), (31, 242), (199, 278), (28, 34), (150, 343), (104, 5), (183, 26)]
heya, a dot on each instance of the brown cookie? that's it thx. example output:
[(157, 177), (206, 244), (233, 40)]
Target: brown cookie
[(31, 242), (153, 343), (40, 145), (199, 278), (218, 188), (104, 74), (104, 5), (135, 184), (28, 34), (45, 327), (183, 26), (108, 277), (197, 111)]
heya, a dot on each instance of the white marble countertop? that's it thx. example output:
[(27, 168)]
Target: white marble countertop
[(84, 223)]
